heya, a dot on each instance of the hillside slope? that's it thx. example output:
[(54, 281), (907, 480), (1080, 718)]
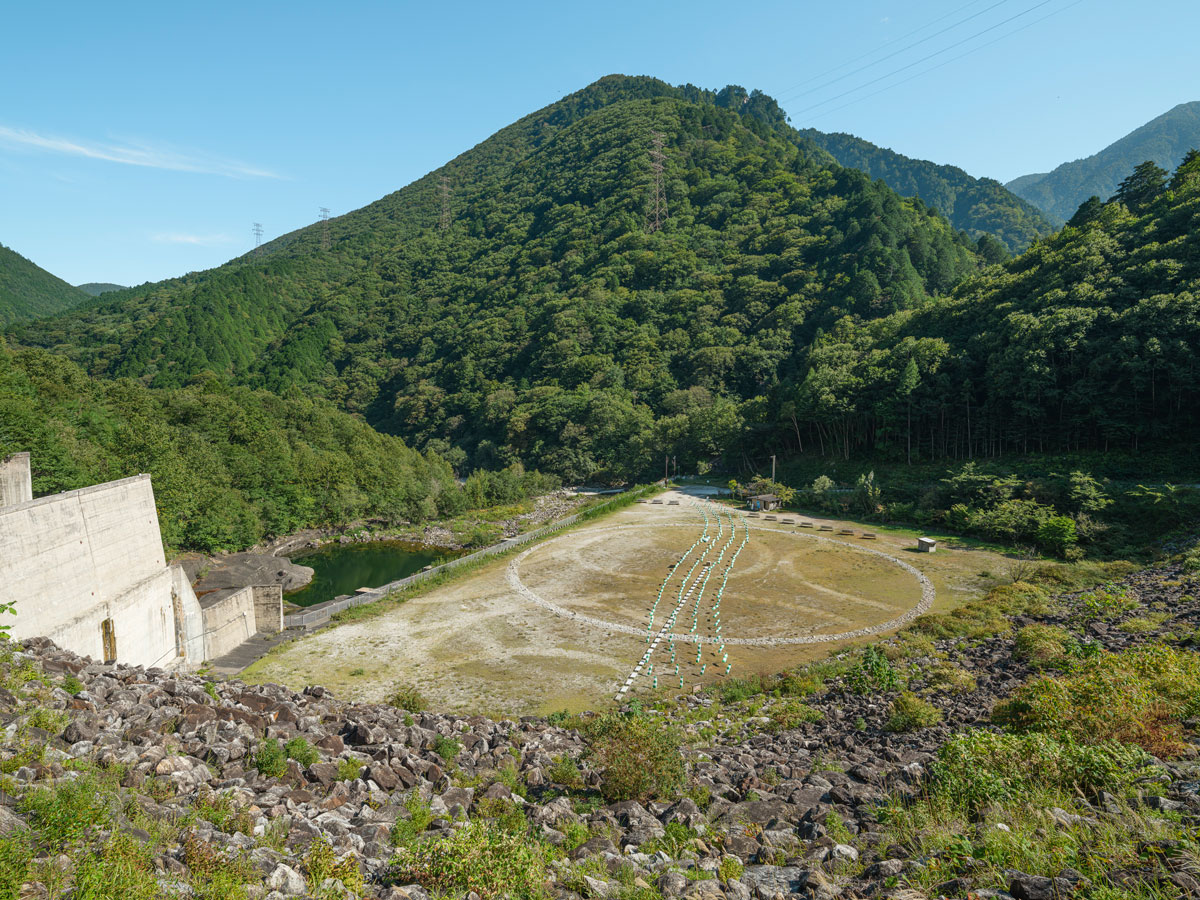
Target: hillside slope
[(978, 206), (1163, 140), (1090, 340), (28, 291), (96, 288), (517, 304)]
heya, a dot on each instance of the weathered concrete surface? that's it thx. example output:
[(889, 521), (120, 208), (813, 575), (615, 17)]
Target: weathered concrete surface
[(228, 620), (16, 481), (239, 569), (72, 561), (268, 607)]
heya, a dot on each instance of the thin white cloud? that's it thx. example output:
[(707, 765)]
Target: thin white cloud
[(133, 154), (200, 240)]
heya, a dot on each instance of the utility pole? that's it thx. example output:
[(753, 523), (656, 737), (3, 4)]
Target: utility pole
[(258, 232), (444, 219), (324, 227), (658, 209), (666, 462), (772, 468)]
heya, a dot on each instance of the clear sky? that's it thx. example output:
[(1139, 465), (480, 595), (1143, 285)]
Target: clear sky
[(139, 141)]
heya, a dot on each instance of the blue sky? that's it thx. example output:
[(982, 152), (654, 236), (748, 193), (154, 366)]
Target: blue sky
[(141, 141)]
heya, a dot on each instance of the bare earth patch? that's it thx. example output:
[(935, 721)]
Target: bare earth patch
[(476, 644)]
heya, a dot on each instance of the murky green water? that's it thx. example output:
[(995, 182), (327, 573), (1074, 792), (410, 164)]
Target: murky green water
[(344, 568)]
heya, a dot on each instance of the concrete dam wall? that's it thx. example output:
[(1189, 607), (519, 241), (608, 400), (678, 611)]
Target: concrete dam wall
[(86, 569)]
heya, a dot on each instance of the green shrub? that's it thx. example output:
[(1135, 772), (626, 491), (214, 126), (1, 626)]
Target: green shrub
[(564, 771), (270, 760), (299, 749), (949, 678), (122, 870), (1057, 534), (349, 769), (16, 854), (504, 813), (406, 697), (320, 863), (420, 817), (72, 685), (791, 714), (873, 673), (1045, 646), (68, 810), (446, 747), (1137, 697), (979, 767), (479, 857), (223, 811), (730, 869), (52, 720), (910, 712), (639, 756), (1108, 602)]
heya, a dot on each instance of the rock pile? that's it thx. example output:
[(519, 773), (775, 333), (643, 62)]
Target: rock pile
[(787, 812)]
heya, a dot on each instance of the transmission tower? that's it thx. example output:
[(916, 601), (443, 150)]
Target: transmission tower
[(324, 227), (444, 219), (257, 234), (658, 209)]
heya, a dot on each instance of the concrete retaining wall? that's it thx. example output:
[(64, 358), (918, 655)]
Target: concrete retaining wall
[(228, 620), (192, 625), (268, 607), (70, 561), (16, 481)]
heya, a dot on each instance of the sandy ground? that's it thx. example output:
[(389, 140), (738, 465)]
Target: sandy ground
[(476, 644)]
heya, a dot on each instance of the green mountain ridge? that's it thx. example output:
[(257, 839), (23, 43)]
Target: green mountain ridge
[(96, 288), (544, 322), (28, 291), (1163, 140), (978, 206)]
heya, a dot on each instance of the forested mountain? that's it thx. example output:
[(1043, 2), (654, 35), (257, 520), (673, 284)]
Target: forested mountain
[(27, 291), (231, 465), (1163, 140), (1090, 340), (96, 288), (978, 206), (520, 303)]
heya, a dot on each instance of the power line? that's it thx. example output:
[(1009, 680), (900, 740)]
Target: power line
[(658, 209), (258, 233), (869, 53), (925, 58), (324, 215), (790, 91), (444, 218), (948, 61)]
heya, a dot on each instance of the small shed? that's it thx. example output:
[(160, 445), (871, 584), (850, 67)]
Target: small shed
[(926, 545), (764, 501)]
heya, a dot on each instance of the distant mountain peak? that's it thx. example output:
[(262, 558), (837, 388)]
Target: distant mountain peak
[(1163, 140)]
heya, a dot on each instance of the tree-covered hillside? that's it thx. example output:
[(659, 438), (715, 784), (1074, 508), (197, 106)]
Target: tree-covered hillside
[(96, 288), (519, 304), (1163, 140), (27, 291), (1090, 340), (230, 465), (978, 206)]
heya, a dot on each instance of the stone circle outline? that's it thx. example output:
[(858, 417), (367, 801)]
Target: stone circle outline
[(928, 594)]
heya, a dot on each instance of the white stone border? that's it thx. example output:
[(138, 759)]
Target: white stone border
[(922, 607)]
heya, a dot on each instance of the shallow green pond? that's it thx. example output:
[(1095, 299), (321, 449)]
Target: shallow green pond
[(344, 568)]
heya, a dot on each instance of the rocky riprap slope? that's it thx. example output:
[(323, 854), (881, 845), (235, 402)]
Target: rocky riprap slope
[(771, 797)]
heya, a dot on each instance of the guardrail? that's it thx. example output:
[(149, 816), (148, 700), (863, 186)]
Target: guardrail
[(320, 613)]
